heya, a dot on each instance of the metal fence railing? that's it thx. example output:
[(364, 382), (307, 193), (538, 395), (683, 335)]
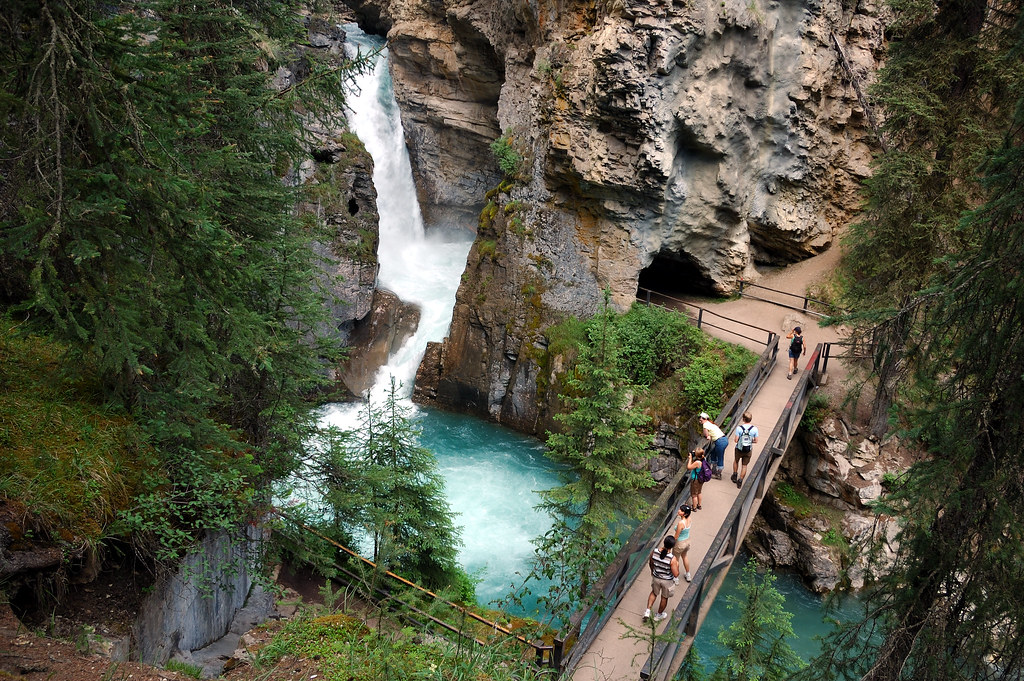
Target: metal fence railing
[(584, 626), (689, 613), (546, 656), (703, 317), (803, 300)]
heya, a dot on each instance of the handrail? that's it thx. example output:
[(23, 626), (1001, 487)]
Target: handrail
[(744, 284), (702, 312), (584, 625), (695, 602), (554, 657)]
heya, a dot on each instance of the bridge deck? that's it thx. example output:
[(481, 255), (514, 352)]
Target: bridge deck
[(615, 654)]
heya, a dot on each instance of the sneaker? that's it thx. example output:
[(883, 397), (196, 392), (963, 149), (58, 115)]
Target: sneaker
[(733, 476), (789, 376), (717, 475), (688, 577), (660, 616), (675, 580), (739, 483), (647, 613)]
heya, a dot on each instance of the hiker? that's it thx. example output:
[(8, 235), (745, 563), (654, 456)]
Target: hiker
[(682, 547), (695, 464), (718, 443), (745, 438), (797, 347), (664, 569)]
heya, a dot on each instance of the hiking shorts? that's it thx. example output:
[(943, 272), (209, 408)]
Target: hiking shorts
[(662, 587)]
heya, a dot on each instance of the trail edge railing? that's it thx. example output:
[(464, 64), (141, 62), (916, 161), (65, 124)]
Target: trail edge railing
[(689, 613), (584, 626)]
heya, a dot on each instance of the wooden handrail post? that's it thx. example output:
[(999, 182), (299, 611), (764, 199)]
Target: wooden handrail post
[(700, 316)]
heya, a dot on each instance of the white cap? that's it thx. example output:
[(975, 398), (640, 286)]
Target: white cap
[(704, 415)]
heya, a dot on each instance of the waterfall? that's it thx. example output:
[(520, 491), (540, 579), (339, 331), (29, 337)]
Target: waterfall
[(491, 473), (421, 266)]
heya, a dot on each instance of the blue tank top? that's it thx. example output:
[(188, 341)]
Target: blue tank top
[(684, 535)]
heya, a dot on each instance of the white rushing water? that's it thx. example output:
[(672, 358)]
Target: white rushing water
[(491, 473), (420, 266)]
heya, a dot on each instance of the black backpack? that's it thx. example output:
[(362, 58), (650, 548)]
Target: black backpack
[(797, 344)]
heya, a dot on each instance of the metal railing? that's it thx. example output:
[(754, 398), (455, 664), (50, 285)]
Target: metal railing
[(584, 626), (549, 656), (701, 315), (689, 613), (805, 301)]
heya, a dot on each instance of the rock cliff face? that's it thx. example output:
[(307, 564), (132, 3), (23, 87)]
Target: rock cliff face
[(818, 508), (338, 175), (660, 143)]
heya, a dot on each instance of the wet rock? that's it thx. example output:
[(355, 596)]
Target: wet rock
[(375, 337)]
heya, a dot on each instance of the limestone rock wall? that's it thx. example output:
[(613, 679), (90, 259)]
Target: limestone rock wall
[(663, 143), (339, 177), (817, 519), (193, 607)]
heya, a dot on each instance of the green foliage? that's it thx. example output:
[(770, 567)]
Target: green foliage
[(602, 448), (487, 249), (568, 335), (509, 158), (789, 496), (378, 480), (703, 384), (937, 137), (69, 461), (190, 670), (347, 650), (653, 341), (757, 639), (815, 412), (949, 607), (153, 235)]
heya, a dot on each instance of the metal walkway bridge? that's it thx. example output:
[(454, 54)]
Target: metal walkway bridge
[(597, 643), (601, 642)]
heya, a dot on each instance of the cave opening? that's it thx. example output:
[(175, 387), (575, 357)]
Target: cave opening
[(674, 274)]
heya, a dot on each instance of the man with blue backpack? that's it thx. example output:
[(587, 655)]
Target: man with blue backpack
[(745, 438)]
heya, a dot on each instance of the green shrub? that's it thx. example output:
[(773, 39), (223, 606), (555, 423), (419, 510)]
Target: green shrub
[(652, 341), (703, 384), (567, 335), (816, 411), (509, 159)]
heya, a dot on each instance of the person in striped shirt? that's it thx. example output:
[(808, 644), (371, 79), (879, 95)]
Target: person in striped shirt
[(664, 570)]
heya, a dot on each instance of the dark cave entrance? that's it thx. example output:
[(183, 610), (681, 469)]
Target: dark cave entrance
[(674, 274)]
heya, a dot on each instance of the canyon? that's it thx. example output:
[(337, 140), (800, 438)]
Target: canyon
[(661, 144)]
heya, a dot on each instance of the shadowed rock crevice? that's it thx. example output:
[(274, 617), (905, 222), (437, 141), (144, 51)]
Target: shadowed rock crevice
[(675, 274)]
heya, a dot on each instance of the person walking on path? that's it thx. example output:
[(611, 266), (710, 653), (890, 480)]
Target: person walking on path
[(718, 444), (682, 547), (694, 464), (745, 439), (664, 570), (797, 347)]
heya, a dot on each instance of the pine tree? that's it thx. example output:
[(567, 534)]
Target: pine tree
[(604, 452), (757, 639), (393, 492), (946, 94), (145, 221), (950, 607)]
